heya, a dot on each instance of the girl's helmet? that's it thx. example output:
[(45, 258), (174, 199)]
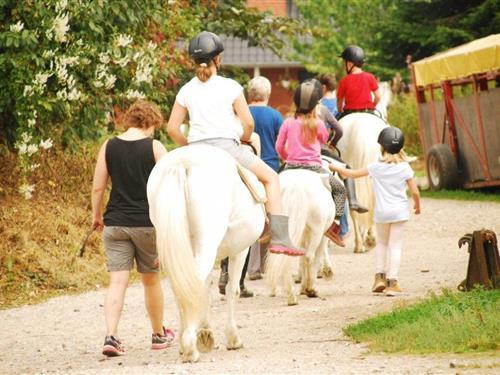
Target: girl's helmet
[(354, 54), (391, 139), (307, 95), (205, 46)]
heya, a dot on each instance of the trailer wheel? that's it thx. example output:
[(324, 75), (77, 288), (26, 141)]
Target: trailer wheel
[(442, 169)]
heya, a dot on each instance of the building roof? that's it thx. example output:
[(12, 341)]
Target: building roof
[(238, 53)]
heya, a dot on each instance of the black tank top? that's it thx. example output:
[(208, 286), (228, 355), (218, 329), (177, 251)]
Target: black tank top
[(129, 164)]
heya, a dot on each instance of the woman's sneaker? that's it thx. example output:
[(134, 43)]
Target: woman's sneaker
[(392, 288), (159, 341), (112, 347)]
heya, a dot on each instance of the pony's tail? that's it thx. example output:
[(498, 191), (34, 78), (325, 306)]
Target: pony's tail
[(173, 243)]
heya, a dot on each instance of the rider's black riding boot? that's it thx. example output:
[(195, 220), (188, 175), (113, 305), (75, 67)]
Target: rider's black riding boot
[(354, 205), (224, 276)]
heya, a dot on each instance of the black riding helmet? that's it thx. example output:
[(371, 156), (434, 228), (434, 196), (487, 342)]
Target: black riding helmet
[(204, 47), (354, 54), (391, 139), (307, 95)]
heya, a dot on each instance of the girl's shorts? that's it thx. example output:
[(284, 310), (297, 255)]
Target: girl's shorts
[(244, 156)]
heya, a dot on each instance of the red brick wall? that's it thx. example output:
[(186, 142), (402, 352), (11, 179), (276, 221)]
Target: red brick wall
[(281, 98), (278, 7)]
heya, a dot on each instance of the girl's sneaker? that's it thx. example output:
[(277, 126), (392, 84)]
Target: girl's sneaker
[(392, 288), (112, 347), (159, 341), (379, 284)]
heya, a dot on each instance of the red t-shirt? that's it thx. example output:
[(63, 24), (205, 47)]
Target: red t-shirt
[(356, 90)]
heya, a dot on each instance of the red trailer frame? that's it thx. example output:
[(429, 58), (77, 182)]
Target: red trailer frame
[(460, 134)]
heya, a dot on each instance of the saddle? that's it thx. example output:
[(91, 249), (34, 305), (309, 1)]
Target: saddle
[(484, 263)]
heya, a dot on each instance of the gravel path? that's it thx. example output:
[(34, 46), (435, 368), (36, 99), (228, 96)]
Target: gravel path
[(65, 334)]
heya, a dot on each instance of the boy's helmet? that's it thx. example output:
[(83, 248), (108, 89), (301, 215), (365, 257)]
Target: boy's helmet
[(354, 54), (391, 139), (205, 46), (307, 95)]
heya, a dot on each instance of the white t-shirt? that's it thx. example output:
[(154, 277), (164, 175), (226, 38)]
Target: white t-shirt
[(389, 185), (210, 107)]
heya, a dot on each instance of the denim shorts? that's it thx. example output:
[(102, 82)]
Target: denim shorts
[(125, 244)]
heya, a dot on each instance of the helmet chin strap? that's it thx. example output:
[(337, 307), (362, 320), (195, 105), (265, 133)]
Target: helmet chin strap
[(216, 63), (348, 71)]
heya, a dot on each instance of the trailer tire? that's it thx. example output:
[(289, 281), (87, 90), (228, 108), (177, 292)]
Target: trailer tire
[(442, 170)]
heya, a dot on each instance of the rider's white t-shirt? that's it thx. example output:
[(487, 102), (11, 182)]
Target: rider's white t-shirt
[(210, 107), (389, 186)]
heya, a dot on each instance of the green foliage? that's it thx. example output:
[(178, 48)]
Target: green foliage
[(70, 67), (402, 113), (390, 30), (453, 322), (332, 26)]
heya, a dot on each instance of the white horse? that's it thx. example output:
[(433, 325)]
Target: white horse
[(309, 206), (385, 99), (201, 210), (359, 147)]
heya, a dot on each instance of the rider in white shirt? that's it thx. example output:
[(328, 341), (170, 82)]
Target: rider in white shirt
[(219, 116)]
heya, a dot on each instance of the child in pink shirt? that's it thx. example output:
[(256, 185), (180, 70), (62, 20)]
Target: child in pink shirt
[(299, 145)]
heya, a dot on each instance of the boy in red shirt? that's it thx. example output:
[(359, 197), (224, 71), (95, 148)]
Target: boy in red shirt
[(354, 93)]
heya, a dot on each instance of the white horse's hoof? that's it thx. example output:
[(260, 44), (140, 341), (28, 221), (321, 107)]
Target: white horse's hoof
[(293, 301), (205, 340), (311, 293), (192, 356), (327, 273), (235, 344), (360, 250)]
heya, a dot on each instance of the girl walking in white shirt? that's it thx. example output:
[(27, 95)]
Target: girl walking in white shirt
[(391, 175), (219, 116)]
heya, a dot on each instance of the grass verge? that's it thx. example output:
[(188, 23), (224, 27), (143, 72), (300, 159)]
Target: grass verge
[(452, 322), (464, 195)]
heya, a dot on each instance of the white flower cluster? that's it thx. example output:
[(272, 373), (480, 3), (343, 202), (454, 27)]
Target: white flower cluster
[(17, 27), (27, 190), (123, 40), (134, 94), (37, 86), (103, 78)]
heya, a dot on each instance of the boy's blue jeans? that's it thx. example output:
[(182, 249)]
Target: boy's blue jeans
[(344, 224)]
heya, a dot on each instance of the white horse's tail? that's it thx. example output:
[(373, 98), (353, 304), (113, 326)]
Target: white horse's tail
[(174, 246), (279, 267)]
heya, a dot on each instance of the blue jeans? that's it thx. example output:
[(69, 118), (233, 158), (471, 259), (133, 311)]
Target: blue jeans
[(344, 224)]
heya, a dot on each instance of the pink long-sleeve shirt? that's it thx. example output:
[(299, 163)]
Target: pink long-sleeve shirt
[(293, 149)]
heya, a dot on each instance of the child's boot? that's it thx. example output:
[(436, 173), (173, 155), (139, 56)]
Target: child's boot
[(280, 238), (333, 233), (392, 288), (354, 205), (379, 283)]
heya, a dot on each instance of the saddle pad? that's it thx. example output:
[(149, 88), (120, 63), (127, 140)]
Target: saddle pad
[(250, 185)]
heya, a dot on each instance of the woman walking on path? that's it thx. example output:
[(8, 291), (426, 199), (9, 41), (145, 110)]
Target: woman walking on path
[(217, 112), (267, 125), (128, 233), (391, 175)]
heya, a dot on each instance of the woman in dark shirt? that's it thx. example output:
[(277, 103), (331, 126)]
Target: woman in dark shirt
[(128, 233)]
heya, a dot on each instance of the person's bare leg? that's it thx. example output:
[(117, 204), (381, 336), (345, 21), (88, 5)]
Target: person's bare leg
[(113, 303), (269, 179), (153, 298), (280, 242)]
